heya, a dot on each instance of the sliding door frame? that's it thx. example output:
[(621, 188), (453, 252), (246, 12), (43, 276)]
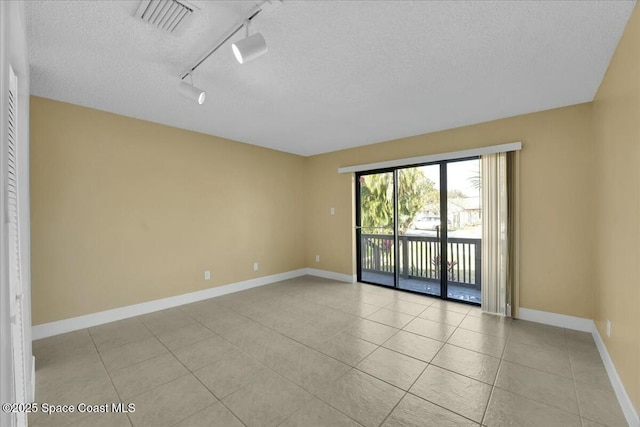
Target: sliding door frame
[(444, 257), (359, 225), (444, 233)]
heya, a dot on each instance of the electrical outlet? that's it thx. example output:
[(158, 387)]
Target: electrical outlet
[(332, 211), (317, 258), (609, 328), (207, 275), (255, 266)]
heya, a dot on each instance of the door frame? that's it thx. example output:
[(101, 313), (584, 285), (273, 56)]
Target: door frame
[(358, 227), (443, 226)]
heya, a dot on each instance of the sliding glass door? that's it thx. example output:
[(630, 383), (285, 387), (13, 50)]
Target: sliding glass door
[(376, 228), (419, 228), (464, 230)]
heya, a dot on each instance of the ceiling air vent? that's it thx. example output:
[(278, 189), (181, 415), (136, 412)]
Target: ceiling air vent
[(168, 15)]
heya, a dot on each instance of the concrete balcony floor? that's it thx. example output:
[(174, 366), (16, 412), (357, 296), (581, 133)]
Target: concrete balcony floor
[(428, 287)]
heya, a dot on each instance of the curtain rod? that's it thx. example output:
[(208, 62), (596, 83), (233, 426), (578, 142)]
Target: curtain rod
[(512, 146)]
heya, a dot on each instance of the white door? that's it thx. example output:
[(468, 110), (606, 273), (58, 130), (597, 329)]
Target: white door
[(16, 304)]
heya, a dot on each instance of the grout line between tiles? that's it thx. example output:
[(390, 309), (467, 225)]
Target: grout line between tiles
[(169, 351), (407, 391), (280, 333), (195, 413), (443, 407), (424, 369), (395, 406), (123, 344), (272, 370), (579, 414), (258, 362), (189, 372), (108, 375), (495, 379), (194, 376), (575, 388), (329, 404)]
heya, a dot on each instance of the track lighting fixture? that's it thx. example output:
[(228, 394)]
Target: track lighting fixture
[(191, 92), (244, 50), (249, 47)]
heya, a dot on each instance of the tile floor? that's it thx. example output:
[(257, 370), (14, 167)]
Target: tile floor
[(313, 352)]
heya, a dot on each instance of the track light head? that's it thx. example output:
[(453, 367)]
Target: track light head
[(191, 92), (249, 48)]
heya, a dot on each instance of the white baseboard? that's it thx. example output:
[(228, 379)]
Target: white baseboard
[(555, 319), (94, 319), (588, 325), (629, 410), (331, 275)]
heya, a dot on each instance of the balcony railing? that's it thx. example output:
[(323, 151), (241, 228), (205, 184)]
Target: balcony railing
[(419, 258)]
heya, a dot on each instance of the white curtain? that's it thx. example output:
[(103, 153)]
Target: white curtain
[(495, 248)]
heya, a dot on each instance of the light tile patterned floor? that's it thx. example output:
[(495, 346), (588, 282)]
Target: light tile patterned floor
[(314, 352)]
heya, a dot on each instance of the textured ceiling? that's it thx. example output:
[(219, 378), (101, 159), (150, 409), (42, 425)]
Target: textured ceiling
[(338, 74)]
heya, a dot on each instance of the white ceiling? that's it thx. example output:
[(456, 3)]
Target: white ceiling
[(338, 74)]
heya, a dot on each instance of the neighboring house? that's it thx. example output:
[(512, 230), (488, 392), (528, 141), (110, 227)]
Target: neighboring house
[(461, 212), (464, 211)]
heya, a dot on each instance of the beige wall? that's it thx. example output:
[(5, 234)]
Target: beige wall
[(617, 172), (126, 211), (556, 203)]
